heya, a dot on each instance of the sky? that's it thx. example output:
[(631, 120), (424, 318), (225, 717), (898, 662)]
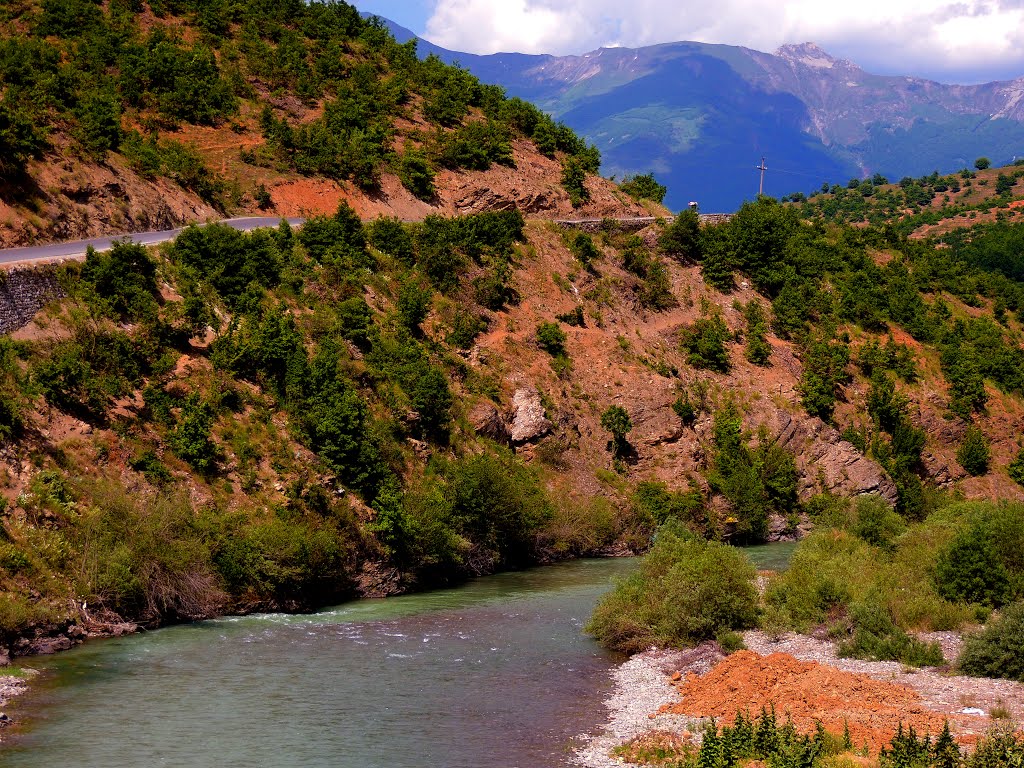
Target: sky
[(960, 41)]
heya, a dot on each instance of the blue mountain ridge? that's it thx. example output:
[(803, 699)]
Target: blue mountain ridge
[(701, 116)]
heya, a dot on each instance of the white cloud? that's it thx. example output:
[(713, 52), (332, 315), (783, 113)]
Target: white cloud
[(905, 36)]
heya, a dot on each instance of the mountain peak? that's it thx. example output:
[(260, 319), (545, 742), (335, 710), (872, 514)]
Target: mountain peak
[(809, 54)]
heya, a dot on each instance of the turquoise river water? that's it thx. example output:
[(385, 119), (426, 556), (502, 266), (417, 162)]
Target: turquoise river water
[(493, 674)]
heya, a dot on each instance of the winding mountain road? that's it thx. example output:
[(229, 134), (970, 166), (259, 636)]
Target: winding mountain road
[(76, 248)]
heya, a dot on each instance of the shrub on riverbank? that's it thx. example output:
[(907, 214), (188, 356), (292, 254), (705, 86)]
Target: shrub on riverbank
[(998, 650), (685, 591), (872, 584)]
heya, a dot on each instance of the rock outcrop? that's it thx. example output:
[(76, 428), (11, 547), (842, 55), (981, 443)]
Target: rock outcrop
[(826, 461), (529, 421), (486, 420)]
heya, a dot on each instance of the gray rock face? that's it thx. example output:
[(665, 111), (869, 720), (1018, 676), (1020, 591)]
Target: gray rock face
[(487, 421), (528, 419), (823, 458)]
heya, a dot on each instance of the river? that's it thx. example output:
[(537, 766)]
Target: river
[(492, 674)]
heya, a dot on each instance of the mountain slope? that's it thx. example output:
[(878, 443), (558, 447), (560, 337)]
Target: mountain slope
[(701, 116), (130, 117)]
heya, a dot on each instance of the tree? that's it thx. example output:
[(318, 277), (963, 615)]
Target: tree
[(551, 339), (1016, 468), (982, 163), (704, 344), (19, 139), (973, 453), (758, 350), (574, 178), (681, 238), (616, 420), (644, 187)]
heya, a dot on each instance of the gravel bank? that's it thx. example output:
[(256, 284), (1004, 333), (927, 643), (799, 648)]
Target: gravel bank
[(10, 687), (641, 688)]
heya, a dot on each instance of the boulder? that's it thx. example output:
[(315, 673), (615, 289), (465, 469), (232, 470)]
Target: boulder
[(529, 421), (487, 421)]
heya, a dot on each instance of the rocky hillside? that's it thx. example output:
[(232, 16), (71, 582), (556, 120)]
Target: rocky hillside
[(129, 116), (366, 405)]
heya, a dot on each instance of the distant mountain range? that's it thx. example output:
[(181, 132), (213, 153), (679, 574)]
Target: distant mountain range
[(700, 116)]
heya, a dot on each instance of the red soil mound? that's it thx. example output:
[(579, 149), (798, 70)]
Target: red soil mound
[(807, 692)]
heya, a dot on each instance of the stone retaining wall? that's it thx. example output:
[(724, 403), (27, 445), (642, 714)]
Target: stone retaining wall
[(632, 225), (24, 291)]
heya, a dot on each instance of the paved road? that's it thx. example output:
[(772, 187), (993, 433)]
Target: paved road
[(76, 248)]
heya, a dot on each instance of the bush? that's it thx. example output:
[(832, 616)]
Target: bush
[(574, 180), (973, 453), (551, 339), (684, 592), (876, 522), (969, 569), (616, 420), (147, 561), (1016, 468), (654, 499), (124, 278), (681, 238), (644, 187), (190, 439), (704, 344), (876, 637), (998, 650)]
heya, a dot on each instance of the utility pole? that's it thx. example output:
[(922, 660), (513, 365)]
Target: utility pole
[(762, 168)]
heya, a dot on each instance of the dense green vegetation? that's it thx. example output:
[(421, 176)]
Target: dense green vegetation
[(912, 202), (686, 590), (834, 290), (294, 355), (106, 78), (866, 575), (764, 738)]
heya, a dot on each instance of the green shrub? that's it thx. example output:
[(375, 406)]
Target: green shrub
[(758, 350), (86, 373), (970, 569), (146, 560), (392, 237), (973, 453), (756, 482), (574, 181), (1000, 747), (583, 248), (654, 499), (685, 591), (190, 440), (704, 344), (681, 238), (876, 637), (413, 303), (644, 187), (876, 522), (616, 420), (824, 370), (474, 515), (998, 650), (466, 326), (1016, 468), (124, 278), (551, 339), (416, 174), (229, 260)]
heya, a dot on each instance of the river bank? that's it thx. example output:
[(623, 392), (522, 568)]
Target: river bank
[(659, 692)]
